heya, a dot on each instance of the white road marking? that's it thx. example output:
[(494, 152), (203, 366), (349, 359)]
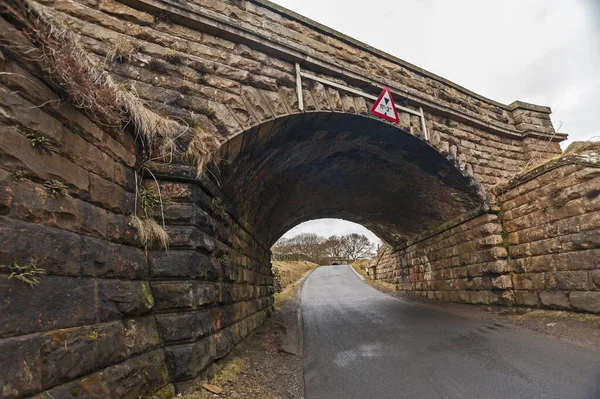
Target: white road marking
[(355, 272)]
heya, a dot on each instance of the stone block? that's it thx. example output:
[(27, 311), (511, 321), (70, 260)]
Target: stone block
[(529, 281), (586, 301), (117, 299), (184, 264), (570, 281), (65, 253), (527, 298), (188, 360), (57, 302), (502, 282), (595, 278), (555, 299), (110, 195), (184, 294), (139, 376), (20, 366), (184, 326), (189, 238)]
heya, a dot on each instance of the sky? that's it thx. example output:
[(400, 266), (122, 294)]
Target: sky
[(545, 52)]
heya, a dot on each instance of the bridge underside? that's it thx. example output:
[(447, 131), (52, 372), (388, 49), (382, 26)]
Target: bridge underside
[(317, 165)]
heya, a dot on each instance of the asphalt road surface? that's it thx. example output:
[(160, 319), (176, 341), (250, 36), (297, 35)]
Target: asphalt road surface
[(360, 343)]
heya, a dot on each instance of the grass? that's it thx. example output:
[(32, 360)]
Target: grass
[(148, 200), (122, 51), (158, 66), (56, 188), (208, 111), (557, 314), (172, 57), (232, 377), (27, 273), (149, 232), (289, 275), (202, 148)]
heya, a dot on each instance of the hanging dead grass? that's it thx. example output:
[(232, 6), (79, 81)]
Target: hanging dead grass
[(92, 89), (202, 148), (149, 232)]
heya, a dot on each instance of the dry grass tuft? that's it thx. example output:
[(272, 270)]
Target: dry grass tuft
[(160, 133), (202, 148), (172, 57), (65, 60), (149, 232), (208, 111), (122, 51), (158, 66)]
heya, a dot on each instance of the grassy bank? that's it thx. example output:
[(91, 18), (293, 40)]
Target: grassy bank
[(290, 273)]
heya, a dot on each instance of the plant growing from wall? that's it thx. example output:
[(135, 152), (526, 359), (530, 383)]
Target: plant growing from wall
[(56, 188), (28, 274), (19, 175), (172, 57), (109, 104), (39, 142)]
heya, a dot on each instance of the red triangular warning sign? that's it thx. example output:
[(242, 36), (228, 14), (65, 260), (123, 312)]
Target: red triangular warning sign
[(384, 107)]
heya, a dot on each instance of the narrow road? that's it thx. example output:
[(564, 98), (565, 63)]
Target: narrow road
[(360, 343)]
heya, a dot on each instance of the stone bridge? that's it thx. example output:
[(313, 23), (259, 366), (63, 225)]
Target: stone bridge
[(453, 189)]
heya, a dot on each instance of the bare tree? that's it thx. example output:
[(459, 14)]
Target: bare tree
[(356, 246), (333, 246), (309, 244)]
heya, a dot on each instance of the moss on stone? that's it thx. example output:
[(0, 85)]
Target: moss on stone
[(147, 293)]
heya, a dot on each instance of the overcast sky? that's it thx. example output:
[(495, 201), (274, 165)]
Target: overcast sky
[(545, 52)]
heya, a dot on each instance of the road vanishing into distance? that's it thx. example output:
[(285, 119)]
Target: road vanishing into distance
[(360, 343)]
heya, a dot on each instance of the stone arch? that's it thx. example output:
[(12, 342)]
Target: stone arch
[(302, 166)]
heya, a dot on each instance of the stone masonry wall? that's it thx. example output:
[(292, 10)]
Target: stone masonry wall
[(466, 262), (224, 84), (551, 218), (108, 319), (540, 249)]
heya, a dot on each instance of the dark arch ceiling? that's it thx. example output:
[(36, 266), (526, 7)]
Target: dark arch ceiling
[(315, 165)]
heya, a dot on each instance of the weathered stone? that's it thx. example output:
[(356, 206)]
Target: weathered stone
[(20, 366), (502, 282), (61, 252), (555, 299), (183, 294), (186, 361), (577, 281), (586, 301), (117, 299), (527, 298), (70, 353), (57, 302), (184, 264), (188, 326)]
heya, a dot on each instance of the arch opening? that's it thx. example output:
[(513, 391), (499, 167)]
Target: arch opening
[(332, 165)]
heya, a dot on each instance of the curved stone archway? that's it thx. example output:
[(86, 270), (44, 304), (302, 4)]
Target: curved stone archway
[(326, 164)]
